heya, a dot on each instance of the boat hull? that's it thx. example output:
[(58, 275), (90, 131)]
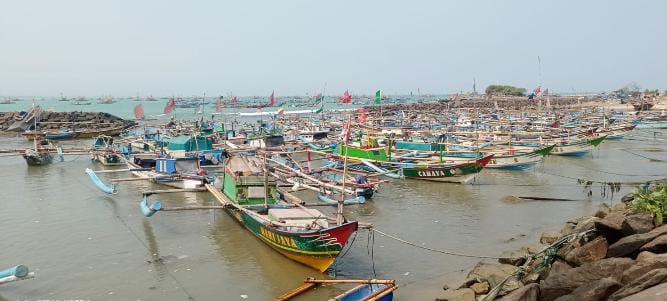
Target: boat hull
[(316, 249), (459, 173)]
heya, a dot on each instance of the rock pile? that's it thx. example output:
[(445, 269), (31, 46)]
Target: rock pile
[(71, 120), (624, 257)]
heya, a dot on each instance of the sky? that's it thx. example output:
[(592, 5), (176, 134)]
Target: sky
[(295, 47)]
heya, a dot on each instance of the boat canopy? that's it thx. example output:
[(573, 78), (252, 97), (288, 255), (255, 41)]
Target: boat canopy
[(189, 144)]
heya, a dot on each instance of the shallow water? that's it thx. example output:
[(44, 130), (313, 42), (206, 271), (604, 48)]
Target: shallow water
[(83, 244)]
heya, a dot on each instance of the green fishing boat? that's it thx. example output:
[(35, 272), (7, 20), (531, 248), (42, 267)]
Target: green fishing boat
[(301, 234)]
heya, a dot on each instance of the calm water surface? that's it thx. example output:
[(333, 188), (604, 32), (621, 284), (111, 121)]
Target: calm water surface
[(83, 244)]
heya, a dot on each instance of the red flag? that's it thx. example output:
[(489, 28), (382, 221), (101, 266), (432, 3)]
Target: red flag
[(138, 112), (346, 98), (171, 104), (272, 98), (362, 115), (537, 90)]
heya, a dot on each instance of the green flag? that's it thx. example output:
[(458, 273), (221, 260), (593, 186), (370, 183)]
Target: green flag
[(320, 109), (378, 97)]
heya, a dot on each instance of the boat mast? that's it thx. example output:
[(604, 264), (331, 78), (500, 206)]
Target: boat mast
[(339, 209)]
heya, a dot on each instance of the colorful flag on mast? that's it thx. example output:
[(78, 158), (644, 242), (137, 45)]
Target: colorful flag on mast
[(378, 97), (362, 115), (171, 104), (346, 98), (272, 98), (138, 112)]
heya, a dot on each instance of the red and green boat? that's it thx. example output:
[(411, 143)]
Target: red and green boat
[(301, 234)]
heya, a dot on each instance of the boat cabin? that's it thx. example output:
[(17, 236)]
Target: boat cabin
[(187, 165), (243, 182), (180, 145)]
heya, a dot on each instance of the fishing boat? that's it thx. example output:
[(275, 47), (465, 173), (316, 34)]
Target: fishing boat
[(452, 173), (182, 173), (39, 155), (429, 169), (81, 102), (105, 152), (301, 234), (63, 134), (365, 289), (577, 148), (518, 160)]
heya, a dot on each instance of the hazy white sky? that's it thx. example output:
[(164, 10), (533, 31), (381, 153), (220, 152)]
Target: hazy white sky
[(123, 47)]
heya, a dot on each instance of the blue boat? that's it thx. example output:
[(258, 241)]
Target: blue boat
[(366, 289), (64, 134)]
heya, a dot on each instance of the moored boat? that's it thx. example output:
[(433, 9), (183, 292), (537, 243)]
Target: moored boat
[(301, 234)]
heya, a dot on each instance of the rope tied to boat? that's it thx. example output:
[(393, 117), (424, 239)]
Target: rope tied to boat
[(431, 249)]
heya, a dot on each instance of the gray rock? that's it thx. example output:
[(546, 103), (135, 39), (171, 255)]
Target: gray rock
[(628, 197), (650, 279), (637, 224), (630, 244), (656, 293), (463, 294), (529, 292), (589, 252), (563, 283), (646, 261), (595, 291), (657, 245)]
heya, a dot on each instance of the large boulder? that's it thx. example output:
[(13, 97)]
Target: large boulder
[(630, 244), (516, 257), (463, 294), (628, 197), (563, 283), (656, 293), (480, 288), (595, 291), (589, 252), (657, 245), (637, 224), (611, 227), (494, 274), (646, 261), (529, 292), (602, 211), (550, 237), (648, 280)]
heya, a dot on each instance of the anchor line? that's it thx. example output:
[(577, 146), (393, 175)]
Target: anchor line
[(431, 249)]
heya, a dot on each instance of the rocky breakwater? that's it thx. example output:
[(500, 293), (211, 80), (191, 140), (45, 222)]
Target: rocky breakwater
[(75, 121), (616, 254)]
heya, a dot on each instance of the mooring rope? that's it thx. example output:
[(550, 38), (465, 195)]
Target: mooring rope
[(431, 249), (642, 156)]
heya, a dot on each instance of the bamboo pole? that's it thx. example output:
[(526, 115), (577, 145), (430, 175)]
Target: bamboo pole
[(151, 192)]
